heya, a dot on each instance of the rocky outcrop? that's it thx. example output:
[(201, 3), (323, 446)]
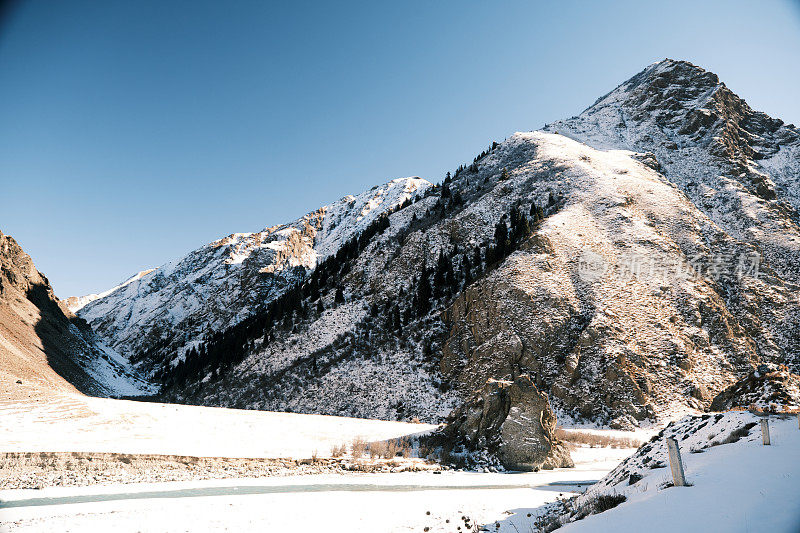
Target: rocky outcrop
[(768, 387), (513, 421), (614, 307)]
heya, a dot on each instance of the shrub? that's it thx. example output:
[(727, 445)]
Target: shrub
[(359, 446), (738, 433), (604, 502), (593, 440)]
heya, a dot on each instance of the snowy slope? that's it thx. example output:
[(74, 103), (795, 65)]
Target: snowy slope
[(739, 166), (75, 303), (737, 483), (614, 306), (217, 285)]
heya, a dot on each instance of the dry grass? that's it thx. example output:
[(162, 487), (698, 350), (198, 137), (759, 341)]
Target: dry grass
[(406, 448), (339, 450), (596, 441), (376, 450)]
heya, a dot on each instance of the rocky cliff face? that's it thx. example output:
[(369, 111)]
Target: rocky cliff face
[(615, 306), (659, 267), (43, 346)]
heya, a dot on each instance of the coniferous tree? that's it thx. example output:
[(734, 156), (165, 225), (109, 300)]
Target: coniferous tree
[(407, 315), (339, 298), (524, 228), (466, 268), (396, 318), (478, 257), (439, 277), (501, 238), (424, 294)]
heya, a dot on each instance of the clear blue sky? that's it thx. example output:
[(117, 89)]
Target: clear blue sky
[(135, 131)]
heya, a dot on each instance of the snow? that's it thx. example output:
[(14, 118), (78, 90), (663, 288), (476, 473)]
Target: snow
[(115, 373), (76, 303), (740, 486), (321, 502), (348, 503), (321, 505), (81, 423), (214, 286)]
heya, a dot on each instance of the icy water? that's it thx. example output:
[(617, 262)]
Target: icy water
[(244, 490)]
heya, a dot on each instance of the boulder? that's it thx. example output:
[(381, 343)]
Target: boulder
[(513, 421)]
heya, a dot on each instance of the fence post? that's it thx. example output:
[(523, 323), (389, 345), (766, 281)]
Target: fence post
[(675, 463), (765, 431)]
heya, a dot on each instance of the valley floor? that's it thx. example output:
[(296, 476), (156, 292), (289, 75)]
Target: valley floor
[(60, 432), (345, 502), (76, 423)]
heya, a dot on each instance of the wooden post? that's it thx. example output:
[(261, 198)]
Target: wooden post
[(765, 431), (675, 463)]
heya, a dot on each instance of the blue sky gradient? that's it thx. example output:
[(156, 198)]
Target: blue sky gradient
[(133, 132)]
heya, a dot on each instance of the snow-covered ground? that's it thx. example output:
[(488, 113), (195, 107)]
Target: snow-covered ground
[(65, 423), (351, 502), (737, 483), (343, 502)]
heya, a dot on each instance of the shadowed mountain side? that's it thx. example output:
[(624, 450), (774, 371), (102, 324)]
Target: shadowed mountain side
[(43, 346)]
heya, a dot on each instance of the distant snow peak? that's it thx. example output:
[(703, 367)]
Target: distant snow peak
[(75, 303), (217, 285)]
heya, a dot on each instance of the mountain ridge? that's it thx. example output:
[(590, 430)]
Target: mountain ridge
[(528, 261), (219, 284)]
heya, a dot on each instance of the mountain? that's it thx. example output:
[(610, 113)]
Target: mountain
[(43, 346), (634, 261), (173, 307), (76, 303)]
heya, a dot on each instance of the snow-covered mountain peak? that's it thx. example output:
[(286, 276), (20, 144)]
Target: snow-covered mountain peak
[(739, 166), (598, 256), (222, 282), (75, 303)]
